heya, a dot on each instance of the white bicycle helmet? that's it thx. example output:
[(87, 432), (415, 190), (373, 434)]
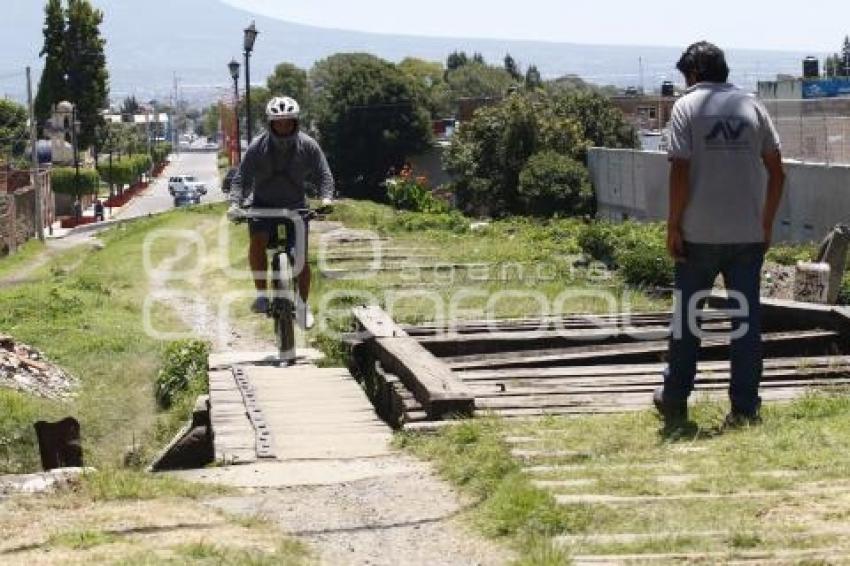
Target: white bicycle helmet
[(282, 108)]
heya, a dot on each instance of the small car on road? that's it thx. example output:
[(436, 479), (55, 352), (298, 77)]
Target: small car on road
[(186, 198), (183, 183)]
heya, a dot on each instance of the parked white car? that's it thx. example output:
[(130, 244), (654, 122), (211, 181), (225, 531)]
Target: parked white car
[(185, 184)]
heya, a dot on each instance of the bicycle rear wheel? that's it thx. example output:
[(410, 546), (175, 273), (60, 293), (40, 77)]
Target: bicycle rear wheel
[(284, 314)]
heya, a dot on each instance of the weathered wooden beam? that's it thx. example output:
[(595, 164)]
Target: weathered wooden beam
[(780, 378), (568, 372), (553, 322), (432, 382), (806, 343), (375, 323), (492, 342)]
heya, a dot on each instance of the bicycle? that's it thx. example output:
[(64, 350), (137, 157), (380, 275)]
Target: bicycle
[(284, 277)]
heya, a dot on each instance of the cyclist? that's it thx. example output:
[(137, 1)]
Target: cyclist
[(273, 175)]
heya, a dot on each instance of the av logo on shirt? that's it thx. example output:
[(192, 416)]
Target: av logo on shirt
[(728, 133)]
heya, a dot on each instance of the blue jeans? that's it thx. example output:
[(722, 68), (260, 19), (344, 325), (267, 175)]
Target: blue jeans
[(740, 265)]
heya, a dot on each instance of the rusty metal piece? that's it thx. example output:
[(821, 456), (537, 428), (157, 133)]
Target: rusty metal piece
[(59, 444), (262, 432)]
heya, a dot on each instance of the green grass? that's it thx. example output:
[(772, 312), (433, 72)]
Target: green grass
[(18, 413), (802, 445), (473, 456), (81, 540), (24, 255), (85, 313), (117, 484), (787, 254), (288, 553)]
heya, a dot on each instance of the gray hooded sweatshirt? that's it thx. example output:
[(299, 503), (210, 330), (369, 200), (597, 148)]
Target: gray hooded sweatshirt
[(275, 171)]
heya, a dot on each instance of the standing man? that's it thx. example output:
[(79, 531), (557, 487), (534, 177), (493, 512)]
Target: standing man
[(722, 208), (273, 175)]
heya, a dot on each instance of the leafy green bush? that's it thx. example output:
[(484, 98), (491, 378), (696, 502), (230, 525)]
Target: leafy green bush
[(551, 183), (639, 251), (488, 155), (790, 255), (647, 265), (407, 192), (64, 180), (160, 152), (184, 369), (604, 241), (124, 171)]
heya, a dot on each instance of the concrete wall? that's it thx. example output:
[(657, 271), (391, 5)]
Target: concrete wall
[(17, 212), (633, 184), (17, 219)]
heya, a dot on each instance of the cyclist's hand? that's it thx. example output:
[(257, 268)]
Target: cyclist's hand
[(235, 214)]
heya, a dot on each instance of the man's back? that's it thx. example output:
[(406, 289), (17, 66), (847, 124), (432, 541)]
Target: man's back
[(723, 132)]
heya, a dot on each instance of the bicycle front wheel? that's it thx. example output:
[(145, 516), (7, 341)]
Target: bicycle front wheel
[(284, 319)]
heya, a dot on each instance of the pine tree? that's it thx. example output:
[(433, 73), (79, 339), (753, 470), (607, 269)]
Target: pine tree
[(88, 78), (51, 87), (478, 58), (512, 68), (75, 65), (533, 79), (456, 60), (845, 57)]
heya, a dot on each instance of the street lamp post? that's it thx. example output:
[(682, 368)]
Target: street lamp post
[(250, 37), (74, 127), (234, 72)]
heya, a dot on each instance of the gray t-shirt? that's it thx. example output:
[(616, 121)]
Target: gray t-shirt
[(723, 132)]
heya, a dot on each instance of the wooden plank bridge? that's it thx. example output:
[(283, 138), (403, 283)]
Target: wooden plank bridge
[(577, 364)]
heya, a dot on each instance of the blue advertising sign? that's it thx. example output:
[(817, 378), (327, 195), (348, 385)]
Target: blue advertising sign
[(826, 88)]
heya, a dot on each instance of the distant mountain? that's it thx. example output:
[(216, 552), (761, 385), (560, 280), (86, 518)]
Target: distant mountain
[(150, 41)]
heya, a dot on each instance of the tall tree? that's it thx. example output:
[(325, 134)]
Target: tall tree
[(456, 60), (88, 79), (130, 106), (845, 56), (533, 79), (429, 82), (289, 80), (260, 97), (13, 129), (478, 58), (51, 87), (512, 68), (369, 119), (477, 80)]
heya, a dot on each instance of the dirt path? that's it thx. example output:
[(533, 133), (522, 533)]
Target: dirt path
[(53, 248), (384, 509)]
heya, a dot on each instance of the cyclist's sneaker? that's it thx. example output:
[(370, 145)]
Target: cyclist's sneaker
[(260, 305), (303, 315)]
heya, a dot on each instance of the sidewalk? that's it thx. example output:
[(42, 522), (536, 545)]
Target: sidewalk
[(111, 215)]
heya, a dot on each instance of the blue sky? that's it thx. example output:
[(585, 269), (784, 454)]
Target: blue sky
[(815, 25)]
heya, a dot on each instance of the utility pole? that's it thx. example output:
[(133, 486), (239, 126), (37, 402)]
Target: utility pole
[(174, 135), (36, 174)]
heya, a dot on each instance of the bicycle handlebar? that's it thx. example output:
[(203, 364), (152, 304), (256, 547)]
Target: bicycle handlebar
[(275, 213)]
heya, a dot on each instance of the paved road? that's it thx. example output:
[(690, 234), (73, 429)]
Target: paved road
[(156, 198)]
